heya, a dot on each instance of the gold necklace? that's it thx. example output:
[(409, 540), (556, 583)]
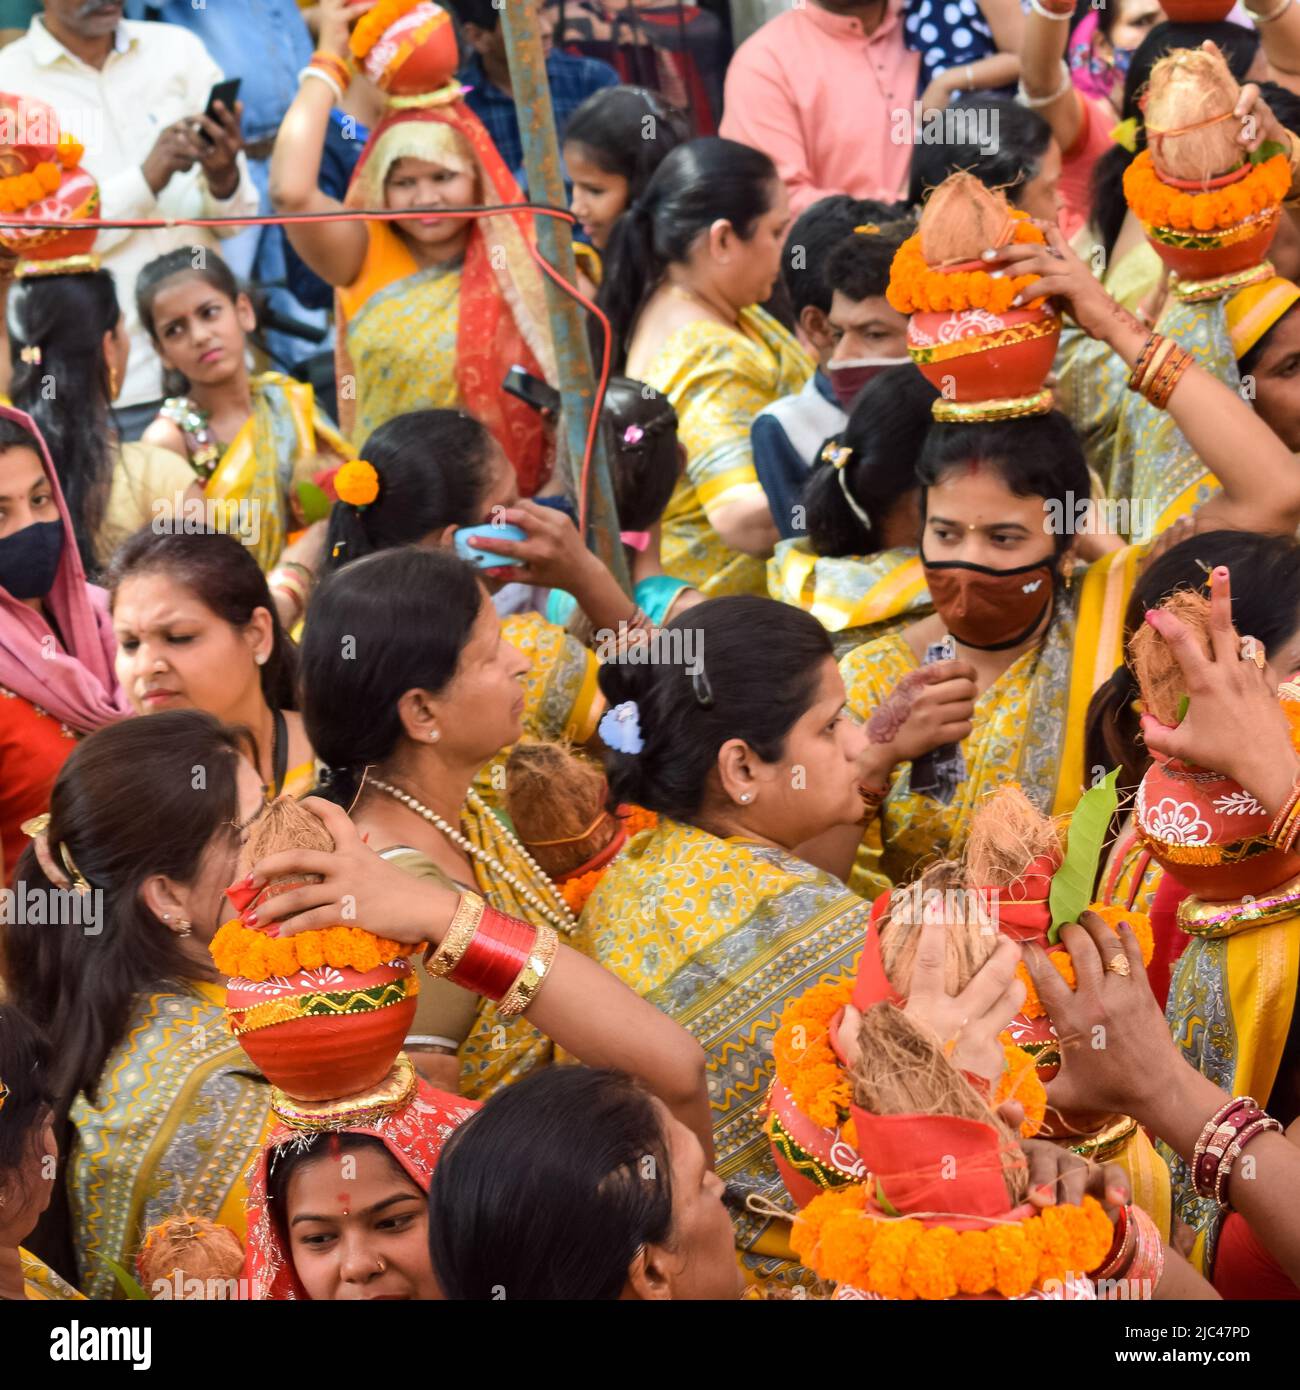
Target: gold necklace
[(562, 919)]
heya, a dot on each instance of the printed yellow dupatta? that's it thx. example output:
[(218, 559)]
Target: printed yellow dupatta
[(180, 1116), (1230, 1008), (856, 598), (719, 934), (278, 446)]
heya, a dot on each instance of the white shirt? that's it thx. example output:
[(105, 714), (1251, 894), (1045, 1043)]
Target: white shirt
[(155, 75)]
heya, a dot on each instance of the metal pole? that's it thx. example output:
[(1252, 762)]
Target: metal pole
[(568, 330)]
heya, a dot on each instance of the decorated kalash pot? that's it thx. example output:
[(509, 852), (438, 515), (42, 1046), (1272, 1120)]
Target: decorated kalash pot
[(556, 802), (1203, 828), (987, 359), (1005, 885), (940, 1210), (322, 1013), (41, 179), (1209, 209), (1232, 997), (407, 48)]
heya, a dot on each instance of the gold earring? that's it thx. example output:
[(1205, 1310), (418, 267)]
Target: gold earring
[(112, 382)]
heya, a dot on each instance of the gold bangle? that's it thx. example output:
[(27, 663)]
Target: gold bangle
[(464, 923), (530, 979)]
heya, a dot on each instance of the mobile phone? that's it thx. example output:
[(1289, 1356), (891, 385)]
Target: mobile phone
[(531, 390), (227, 93), (941, 771), (484, 559), (560, 503)]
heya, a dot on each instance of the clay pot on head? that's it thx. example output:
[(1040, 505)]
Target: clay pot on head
[(416, 53), (1208, 832), (327, 1032), (1197, 11), (975, 355)]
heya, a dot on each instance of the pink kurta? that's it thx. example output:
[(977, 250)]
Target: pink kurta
[(812, 90)]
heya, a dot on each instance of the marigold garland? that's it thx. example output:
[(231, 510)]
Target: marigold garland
[(1159, 204), (837, 1236), (243, 953), (19, 191), (357, 483), (636, 819), (915, 288), (576, 891), (1140, 925), (370, 27), (1021, 1082), (806, 1064)]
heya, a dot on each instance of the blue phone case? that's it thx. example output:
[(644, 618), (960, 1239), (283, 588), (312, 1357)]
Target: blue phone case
[(484, 559)]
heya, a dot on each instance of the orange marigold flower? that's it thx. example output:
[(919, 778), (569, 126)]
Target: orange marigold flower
[(48, 176), (241, 952)]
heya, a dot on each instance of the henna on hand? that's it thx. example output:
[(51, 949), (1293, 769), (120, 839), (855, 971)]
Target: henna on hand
[(885, 722)]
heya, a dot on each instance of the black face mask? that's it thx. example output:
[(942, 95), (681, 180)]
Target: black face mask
[(29, 559)]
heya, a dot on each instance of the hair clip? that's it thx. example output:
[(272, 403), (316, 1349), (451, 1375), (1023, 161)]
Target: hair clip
[(634, 434), (31, 354), (700, 685), (867, 229), (4, 1094), (69, 876), (837, 455), (620, 728)]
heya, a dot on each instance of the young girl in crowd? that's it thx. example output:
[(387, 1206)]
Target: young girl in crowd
[(56, 644), (689, 264), (646, 459), (432, 311), (68, 329), (154, 1107), (857, 571), (248, 438), (196, 629), (611, 145), (26, 1145)]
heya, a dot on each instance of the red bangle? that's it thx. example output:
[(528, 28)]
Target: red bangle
[(494, 958)]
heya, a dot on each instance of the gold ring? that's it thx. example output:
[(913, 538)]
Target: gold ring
[(1118, 964)]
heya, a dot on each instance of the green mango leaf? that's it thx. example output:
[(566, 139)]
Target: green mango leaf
[(1183, 702), (130, 1285), (314, 500), (1072, 882), (1266, 152), (884, 1203)]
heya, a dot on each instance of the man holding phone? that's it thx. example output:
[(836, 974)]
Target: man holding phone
[(136, 96)]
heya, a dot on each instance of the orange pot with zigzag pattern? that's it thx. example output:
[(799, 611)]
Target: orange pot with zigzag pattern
[(325, 1032), (986, 365)]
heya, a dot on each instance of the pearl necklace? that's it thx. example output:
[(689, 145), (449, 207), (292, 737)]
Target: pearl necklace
[(564, 921)]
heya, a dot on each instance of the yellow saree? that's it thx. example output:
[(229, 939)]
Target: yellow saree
[(719, 934), (1230, 1008), (856, 598), (393, 313), (1028, 725), (180, 1116), (278, 446), (718, 379), (42, 1285)]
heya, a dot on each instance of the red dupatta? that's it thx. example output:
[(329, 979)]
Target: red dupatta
[(414, 1135), (502, 319)]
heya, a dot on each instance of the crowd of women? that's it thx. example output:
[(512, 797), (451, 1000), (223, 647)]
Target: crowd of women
[(382, 610)]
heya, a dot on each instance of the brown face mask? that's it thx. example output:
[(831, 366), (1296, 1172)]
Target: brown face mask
[(990, 609)]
